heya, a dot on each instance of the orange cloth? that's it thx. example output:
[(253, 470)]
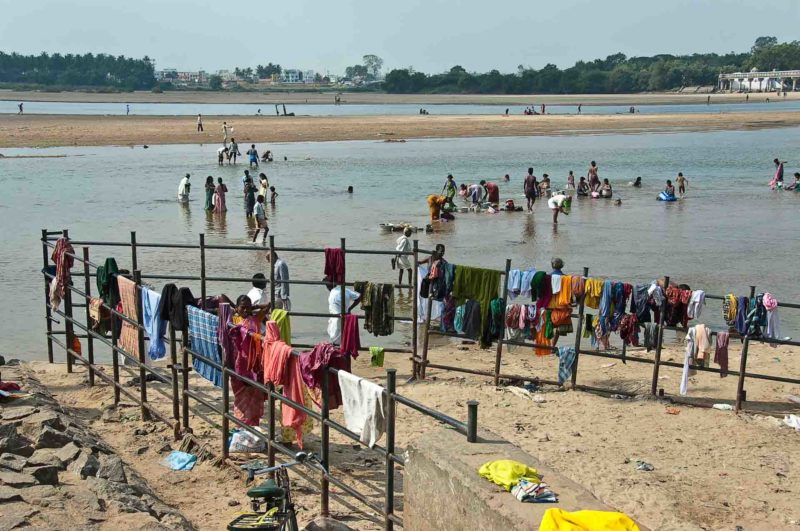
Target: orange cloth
[(541, 339), (561, 316), (281, 368), (435, 203), (564, 296), (129, 335), (578, 286)]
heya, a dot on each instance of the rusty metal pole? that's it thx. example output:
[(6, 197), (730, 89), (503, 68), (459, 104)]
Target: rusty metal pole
[(740, 393), (579, 332), (499, 353), (87, 286), (660, 340)]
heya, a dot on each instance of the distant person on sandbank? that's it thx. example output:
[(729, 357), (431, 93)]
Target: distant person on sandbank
[(199, 123), (183, 189), (682, 182), (530, 188), (19, 105), (127, 110), (580, 106), (219, 197)]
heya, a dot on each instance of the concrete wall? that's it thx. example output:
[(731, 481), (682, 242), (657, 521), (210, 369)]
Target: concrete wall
[(442, 488)]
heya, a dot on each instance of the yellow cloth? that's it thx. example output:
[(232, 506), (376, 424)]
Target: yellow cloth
[(281, 318), (732, 308), (507, 473), (560, 520), (563, 298), (593, 291)]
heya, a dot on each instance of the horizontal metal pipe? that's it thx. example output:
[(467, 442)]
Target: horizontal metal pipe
[(441, 417)]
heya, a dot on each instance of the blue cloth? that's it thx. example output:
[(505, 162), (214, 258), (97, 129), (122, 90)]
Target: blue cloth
[(203, 339), (153, 324), (618, 298), (458, 321), (566, 358), (742, 304), (527, 276), (514, 283), (178, 460), (605, 306)]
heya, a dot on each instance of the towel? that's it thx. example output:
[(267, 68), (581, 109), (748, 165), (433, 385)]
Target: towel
[(703, 337), (721, 353), (566, 358), (178, 460), (281, 318), (687, 360), (696, 304), (334, 264), (203, 340), (128, 338), (62, 257), (561, 520), (364, 407), (153, 324)]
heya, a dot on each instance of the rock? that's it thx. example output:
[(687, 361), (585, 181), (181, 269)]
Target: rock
[(165, 449), (85, 465), (13, 362), (45, 457), (17, 445), (45, 475), (17, 413), (13, 522), (68, 453), (16, 479), (84, 500), (322, 523), (8, 431), (32, 424), (34, 495), (233, 503), (12, 462), (142, 450), (51, 438), (84, 440), (112, 469), (110, 414), (7, 494)]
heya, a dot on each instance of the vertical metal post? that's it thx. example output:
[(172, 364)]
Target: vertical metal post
[(114, 355), (226, 404), (414, 313), (499, 352), (48, 318), (472, 421), (272, 271), (173, 367), (342, 293), (424, 363), (391, 388), (137, 278), (87, 287), (271, 425), (660, 340), (203, 271), (185, 382), (134, 257), (69, 328), (740, 393), (579, 331), (325, 442)]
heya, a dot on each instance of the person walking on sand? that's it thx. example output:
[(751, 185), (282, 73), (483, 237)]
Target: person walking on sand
[(183, 189), (580, 105), (252, 153), (19, 105), (127, 110), (402, 261), (682, 182), (209, 193), (261, 220), (219, 197), (199, 123), (530, 188)]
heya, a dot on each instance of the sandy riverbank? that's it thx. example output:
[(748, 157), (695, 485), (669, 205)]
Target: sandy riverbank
[(714, 469), (51, 130), (326, 96)]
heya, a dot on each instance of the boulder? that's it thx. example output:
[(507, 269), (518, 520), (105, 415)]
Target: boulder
[(49, 437), (45, 457), (85, 465), (33, 424), (12, 462), (8, 494), (16, 479), (34, 495), (17, 413), (68, 453), (13, 522), (112, 469), (17, 445), (45, 475)]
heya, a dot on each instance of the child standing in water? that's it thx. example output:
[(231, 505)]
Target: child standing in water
[(682, 182), (272, 196), (261, 219), (570, 181)]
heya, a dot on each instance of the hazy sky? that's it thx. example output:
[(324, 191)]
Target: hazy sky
[(430, 35)]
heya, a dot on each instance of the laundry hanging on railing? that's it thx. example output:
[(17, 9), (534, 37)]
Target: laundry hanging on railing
[(773, 326), (365, 410), (106, 280), (129, 337), (283, 369), (377, 301), (721, 353), (63, 259), (696, 303), (334, 264), (174, 304), (566, 358), (476, 284), (282, 319), (203, 340), (351, 340), (313, 369), (519, 283), (154, 325), (242, 352)]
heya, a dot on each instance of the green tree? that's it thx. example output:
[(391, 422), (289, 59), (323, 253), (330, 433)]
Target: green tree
[(215, 82), (373, 63)]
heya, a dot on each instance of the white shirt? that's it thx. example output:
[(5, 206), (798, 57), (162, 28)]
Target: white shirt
[(557, 201), (221, 150), (258, 296), (335, 307), (199, 119), (182, 186)]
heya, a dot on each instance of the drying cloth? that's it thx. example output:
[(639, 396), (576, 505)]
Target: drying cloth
[(721, 353), (448, 315), (650, 336), (588, 327), (106, 282), (629, 330), (203, 341), (476, 284), (703, 338), (769, 301), (729, 309), (377, 301), (471, 324), (334, 265), (537, 283), (542, 340), (514, 283), (178, 460), (508, 473), (281, 318), (458, 319), (63, 259), (364, 408), (153, 324), (376, 356), (512, 316), (605, 306), (742, 304), (696, 304), (793, 421), (528, 492), (593, 291), (441, 279), (173, 306), (561, 520), (555, 283), (128, 338), (640, 299), (566, 359), (422, 302), (312, 369), (525, 282), (283, 369), (564, 297), (657, 293), (687, 360), (241, 351), (773, 328), (578, 286), (351, 341)]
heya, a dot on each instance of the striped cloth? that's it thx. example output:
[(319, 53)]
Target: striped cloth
[(203, 340), (128, 337), (566, 358)]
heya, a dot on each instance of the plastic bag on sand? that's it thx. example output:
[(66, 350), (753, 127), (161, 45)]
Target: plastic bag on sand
[(793, 421), (178, 460), (723, 407), (245, 442)]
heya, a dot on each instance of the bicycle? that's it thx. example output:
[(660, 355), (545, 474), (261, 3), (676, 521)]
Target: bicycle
[(270, 502)]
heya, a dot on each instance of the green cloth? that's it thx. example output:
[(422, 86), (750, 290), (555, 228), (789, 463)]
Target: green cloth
[(107, 288), (377, 301), (536, 284), (376, 356), (496, 308), (210, 198), (281, 318), (548, 324), (481, 285)]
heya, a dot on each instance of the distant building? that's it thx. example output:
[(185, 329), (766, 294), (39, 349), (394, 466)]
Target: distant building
[(755, 81), (309, 76), (226, 75), (291, 75)]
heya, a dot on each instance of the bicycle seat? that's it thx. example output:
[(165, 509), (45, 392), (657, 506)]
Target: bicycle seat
[(269, 489)]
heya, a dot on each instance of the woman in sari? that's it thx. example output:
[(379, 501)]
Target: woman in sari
[(210, 193), (219, 197)]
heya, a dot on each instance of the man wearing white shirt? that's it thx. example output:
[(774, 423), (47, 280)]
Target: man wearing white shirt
[(258, 294), (335, 307), (183, 189)]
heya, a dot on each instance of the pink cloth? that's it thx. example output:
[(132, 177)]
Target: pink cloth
[(312, 368), (281, 368), (128, 337), (769, 301), (351, 341), (721, 353), (63, 265), (219, 198), (241, 349), (334, 264)]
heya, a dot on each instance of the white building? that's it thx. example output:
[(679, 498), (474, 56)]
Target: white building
[(309, 76), (291, 75)]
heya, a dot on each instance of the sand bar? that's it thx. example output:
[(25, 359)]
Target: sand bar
[(51, 130), (326, 96)]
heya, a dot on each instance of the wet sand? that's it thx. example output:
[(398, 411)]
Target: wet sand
[(326, 96), (52, 130)]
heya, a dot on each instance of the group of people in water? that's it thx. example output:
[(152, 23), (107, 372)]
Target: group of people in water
[(777, 181)]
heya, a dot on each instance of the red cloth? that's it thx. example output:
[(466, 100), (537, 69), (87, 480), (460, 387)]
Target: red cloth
[(281, 368), (334, 264), (629, 330), (9, 386), (351, 341), (248, 402), (721, 353), (63, 265), (312, 368)]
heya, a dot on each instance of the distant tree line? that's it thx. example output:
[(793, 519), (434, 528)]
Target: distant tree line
[(89, 70), (614, 74)]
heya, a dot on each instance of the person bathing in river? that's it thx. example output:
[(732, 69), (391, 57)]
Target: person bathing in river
[(591, 175), (253, 154), (249, 196), (682, 182), (435, 204), (449, 191), (583, 187), (183, 189), (544, 186), (559, 203), (605, 189), (570, 181), (403, 262), (491, 193), (637, 183), (669, 190), (474, 193), (531, 189), (796, 184), (219, 197), (209, 193)]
